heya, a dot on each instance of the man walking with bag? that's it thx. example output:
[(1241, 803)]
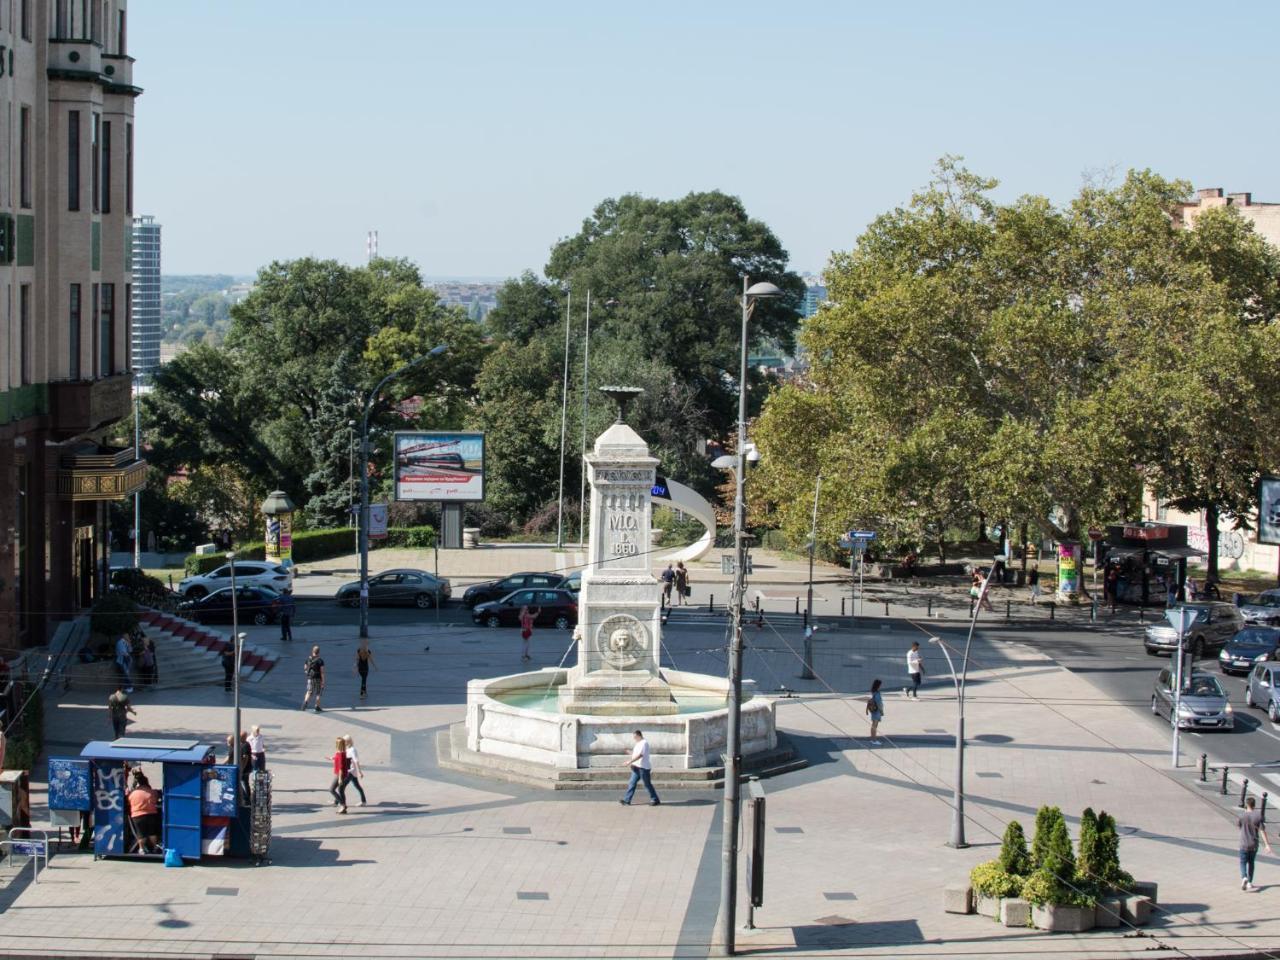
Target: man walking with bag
[(314, 670)]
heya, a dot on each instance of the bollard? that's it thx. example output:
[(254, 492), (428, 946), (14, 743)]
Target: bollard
[(1008, 605), (842, 606), (1052, 609), (797, 606), (1224, 780), (1141, 611), (1093, 611), (1204, 767), (931, 607), (886, 608), (711, 603), (1244, 792)]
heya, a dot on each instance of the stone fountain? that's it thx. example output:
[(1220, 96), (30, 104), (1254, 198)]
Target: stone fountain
[(555, 725)]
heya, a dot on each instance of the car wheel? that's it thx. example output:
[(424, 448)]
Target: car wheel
[(1273, 712), (493, 622), (1248, 697), (196, 593), (1151, 652), (562, 622), (261, 618), (1155, 706), (422, 601), (352, 602)]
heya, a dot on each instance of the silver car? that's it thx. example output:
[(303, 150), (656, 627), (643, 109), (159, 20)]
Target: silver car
[(1262, 608), (1202, 706), (1215, 623), (1263, 690)]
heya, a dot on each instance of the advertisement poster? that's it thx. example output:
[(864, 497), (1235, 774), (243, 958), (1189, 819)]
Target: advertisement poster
[(377, 521), (279, 538), (1069, 573), (1269, 510), (441, 467)]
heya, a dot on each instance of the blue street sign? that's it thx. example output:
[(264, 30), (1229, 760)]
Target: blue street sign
[(862, 534)]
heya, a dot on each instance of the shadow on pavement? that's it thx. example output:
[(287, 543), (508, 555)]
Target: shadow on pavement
[(837, 932)]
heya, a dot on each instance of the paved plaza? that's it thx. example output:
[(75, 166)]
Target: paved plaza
[(441, 865)]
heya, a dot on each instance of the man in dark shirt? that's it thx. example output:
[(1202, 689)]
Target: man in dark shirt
[(314, 670), (119, 707), (1251, 828)]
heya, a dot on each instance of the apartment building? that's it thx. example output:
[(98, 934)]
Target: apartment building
[(66, 226), (146, 323)]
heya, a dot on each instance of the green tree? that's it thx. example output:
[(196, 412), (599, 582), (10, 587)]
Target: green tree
[(1014, 858)]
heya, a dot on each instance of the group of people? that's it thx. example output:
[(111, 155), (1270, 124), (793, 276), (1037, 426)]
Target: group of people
[(347, 772), (675, 579), (131, 647), (313, 670)]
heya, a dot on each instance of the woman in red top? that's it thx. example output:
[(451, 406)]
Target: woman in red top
[(527, 617), (144, 813), (341, 774)]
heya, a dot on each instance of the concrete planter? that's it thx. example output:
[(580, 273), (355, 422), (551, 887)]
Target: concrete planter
[(1061, 918), (958, 898), (987, 906), (1136, 910), (1146, 888), (1015, 912), (1109, 912)]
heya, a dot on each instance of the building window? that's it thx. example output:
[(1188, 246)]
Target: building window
[(96, 160), (61, 15), (24, 333), (73, 334), (26, 19), (94, 330), (73, 160), (95, 32), (128, 169), (106, 166), (120, 34), (107, 319), (24, 157), (128, 326)]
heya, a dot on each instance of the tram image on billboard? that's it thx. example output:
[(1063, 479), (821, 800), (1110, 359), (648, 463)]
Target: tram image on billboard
[(439, 466)]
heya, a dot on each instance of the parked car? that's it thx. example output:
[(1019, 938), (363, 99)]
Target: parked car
[(497, 589), (253, 605), (1249, 646), (1263, 608), (1215, 623), (556, 608), (1263, 689), (251, 573), (416, 588), (573, 583), (1202, 706)]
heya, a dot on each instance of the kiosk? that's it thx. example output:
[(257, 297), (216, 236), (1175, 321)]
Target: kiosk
[(201, 812), (1147, 557)]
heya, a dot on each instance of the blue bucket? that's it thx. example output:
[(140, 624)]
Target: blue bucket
[(172, 858)]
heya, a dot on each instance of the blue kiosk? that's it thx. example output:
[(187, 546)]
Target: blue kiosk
[(200, 812)]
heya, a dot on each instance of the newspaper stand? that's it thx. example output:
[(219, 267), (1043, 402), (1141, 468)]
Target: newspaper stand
[(260, 818), (199, 808)]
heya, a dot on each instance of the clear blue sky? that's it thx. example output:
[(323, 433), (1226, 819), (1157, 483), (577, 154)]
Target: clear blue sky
[(473, 135)]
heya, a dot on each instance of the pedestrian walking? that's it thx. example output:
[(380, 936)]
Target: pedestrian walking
[(257, 747), (287, 608), (915, 670), (1033, 579), (147, 663), (682, 583), (875, 710), (228, 666), (364, 660), (527, 618), (313, 669), (341, 771), (978, 594), (119, 707), (668, 581), (124, 662), (641, 770), (355, 772), (1251, 827)]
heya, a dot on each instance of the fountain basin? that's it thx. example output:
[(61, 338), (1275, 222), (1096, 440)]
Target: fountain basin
[(515, 717)]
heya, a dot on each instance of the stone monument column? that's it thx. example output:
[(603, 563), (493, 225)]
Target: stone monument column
[(619, 607)]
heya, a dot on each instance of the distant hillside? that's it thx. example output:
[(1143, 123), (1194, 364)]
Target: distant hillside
[(196, 308)]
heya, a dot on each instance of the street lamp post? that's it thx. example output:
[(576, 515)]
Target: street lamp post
[(732, 759), (364, 481), (351, 477), (806, 672), (564, 419), (237, 644), (137, 455), (957, 796)]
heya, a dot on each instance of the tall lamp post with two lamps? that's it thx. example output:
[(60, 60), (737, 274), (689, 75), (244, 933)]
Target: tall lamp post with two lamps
[(733, 749), (364, 480)]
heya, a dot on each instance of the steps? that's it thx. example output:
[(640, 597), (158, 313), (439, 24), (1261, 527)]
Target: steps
[(190, 655)]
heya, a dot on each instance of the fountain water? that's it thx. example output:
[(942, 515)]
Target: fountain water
[(546, 724)]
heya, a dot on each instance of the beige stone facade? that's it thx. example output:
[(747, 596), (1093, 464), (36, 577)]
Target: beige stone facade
[(1264, 216), (66, 198)]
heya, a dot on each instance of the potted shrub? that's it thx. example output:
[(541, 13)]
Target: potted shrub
[(1057, 902), (997, 880)]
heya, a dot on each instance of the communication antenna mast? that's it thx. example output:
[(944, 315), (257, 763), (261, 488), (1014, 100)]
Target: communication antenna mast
[(371, 245)]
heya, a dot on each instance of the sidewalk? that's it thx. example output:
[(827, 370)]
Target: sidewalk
[(441, 865)]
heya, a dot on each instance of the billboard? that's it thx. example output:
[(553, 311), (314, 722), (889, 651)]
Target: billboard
[(446, 467), (1269, 510)]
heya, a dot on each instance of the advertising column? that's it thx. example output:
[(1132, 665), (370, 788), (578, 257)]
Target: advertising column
[(1069, 566)]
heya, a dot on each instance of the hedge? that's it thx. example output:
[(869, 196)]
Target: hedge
[(312, 545), (26, 740)]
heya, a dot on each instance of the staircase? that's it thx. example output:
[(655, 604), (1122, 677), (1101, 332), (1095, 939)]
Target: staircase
[(190, 655)]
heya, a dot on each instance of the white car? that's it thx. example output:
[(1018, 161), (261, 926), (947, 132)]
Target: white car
[(249, 573), (1263, 608)]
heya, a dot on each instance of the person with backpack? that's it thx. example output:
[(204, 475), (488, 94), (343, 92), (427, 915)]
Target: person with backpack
[(313, 668), (875, 711), (1033, 580)]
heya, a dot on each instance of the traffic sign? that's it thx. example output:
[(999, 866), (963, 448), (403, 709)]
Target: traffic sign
[(1181, 619), (862, 534), (1095, 533)]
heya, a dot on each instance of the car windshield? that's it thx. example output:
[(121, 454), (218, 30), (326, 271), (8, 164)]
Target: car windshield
[(1256, 638), (1204, 687), (1264, 600), (1202, 612)]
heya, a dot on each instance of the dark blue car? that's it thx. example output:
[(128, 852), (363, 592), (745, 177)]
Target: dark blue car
[(1249, 646)]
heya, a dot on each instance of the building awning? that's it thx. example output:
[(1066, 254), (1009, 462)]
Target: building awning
[(92, 472), (1178, 553), (1123, 553)]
